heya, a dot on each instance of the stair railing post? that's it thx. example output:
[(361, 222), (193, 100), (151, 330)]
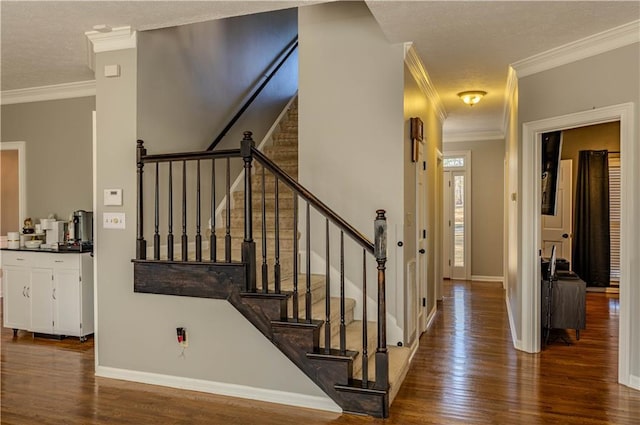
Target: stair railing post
[(141, 244), (248, 245), (380, 252)]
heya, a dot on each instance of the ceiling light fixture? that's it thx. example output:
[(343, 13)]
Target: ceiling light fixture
[(471, 97)]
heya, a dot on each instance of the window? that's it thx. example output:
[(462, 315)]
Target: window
[(614, 214), (456, 162)]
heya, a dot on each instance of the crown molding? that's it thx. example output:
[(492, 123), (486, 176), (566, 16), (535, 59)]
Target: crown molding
[(511, 86), (419, 72), (472, 136), (53, 92), (117, 39), (589, 46)]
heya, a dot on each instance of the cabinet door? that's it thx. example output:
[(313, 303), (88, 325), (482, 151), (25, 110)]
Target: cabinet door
[(67, 302), (16, 303), (41, 300)]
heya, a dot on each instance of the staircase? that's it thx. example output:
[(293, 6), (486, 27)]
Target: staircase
[(289, 305)]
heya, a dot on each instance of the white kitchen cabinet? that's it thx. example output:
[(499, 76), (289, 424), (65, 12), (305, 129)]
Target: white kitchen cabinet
[(48, 293), (16, 303)]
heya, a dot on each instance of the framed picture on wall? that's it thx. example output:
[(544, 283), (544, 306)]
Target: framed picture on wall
[(417, 136)]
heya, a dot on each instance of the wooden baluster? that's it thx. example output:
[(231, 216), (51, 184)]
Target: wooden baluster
[(382, 359), (327, 323), (265, 268), (343, 329), (296, 309), (212, 219), (170, 235), (307, 298), (248, 245), (365, 336), (276, 267), (185, 239), (227, 236), (198, 215), (141, 244), (156, 234)]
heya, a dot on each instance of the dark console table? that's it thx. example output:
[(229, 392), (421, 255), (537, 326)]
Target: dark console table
[(568, 305)]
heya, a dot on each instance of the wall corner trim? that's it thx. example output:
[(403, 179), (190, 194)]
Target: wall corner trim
[(595, 44), (117, 39), (220, 388), (53, 92), (510, 89), (419, 72)]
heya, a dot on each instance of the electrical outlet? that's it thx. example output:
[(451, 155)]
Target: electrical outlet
[(182, 337)]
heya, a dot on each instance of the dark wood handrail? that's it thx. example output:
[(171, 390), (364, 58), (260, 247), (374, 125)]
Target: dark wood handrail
[(277, 64), (309, 197), (187, 156)]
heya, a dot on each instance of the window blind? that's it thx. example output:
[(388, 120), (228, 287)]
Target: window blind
[(614, 214)]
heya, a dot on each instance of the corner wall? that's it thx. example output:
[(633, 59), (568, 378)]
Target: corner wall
[(487, 220), (606, 79), (136, 332), (58, 153), (351, 130)]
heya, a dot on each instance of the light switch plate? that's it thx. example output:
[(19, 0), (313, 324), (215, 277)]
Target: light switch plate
[(113, 220)]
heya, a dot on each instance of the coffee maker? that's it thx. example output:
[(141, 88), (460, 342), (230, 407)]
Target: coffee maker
[(83, 229)]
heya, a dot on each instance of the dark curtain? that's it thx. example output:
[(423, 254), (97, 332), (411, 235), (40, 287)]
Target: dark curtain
[(591, 243)]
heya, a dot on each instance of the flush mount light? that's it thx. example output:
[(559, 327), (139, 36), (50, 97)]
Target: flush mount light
[(471, 97)]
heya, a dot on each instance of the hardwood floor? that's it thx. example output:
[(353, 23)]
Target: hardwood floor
[(466, 371)]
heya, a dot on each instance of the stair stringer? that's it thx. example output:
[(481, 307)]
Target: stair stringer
[(298, 340)]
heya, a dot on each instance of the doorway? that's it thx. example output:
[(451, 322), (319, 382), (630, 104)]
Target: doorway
[(456, 215), (13, 159), (529, 273)]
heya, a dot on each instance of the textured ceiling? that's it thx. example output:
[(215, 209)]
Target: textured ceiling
[(468, 45), (464, 44)]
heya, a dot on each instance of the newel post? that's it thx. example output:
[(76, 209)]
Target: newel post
[(141, 244), (248, 245), (380, 252)]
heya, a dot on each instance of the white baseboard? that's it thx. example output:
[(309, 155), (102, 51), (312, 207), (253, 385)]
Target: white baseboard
[(432, 315), (634, 382), (480, 278), (220, 388), (516, 342)]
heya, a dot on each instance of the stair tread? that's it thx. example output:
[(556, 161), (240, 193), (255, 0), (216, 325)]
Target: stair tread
[(398, 368)]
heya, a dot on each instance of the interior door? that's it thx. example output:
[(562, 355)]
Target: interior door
[(421, 243), (557, 229)]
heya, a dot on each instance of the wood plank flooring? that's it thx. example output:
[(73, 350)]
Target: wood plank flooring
[(465, 372)]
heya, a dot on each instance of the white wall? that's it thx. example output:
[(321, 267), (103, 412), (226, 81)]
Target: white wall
[(487, 222), (351, 129), (136, 332), (606, 79)]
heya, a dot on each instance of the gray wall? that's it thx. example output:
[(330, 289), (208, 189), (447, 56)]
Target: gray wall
[(351, 131), (58, 136), (487, 216), (192, 78), (609, 78), (136, 332), (417, 104)]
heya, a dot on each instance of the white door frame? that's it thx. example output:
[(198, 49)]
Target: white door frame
[(529, 272), (21, 147), (421, 215)]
